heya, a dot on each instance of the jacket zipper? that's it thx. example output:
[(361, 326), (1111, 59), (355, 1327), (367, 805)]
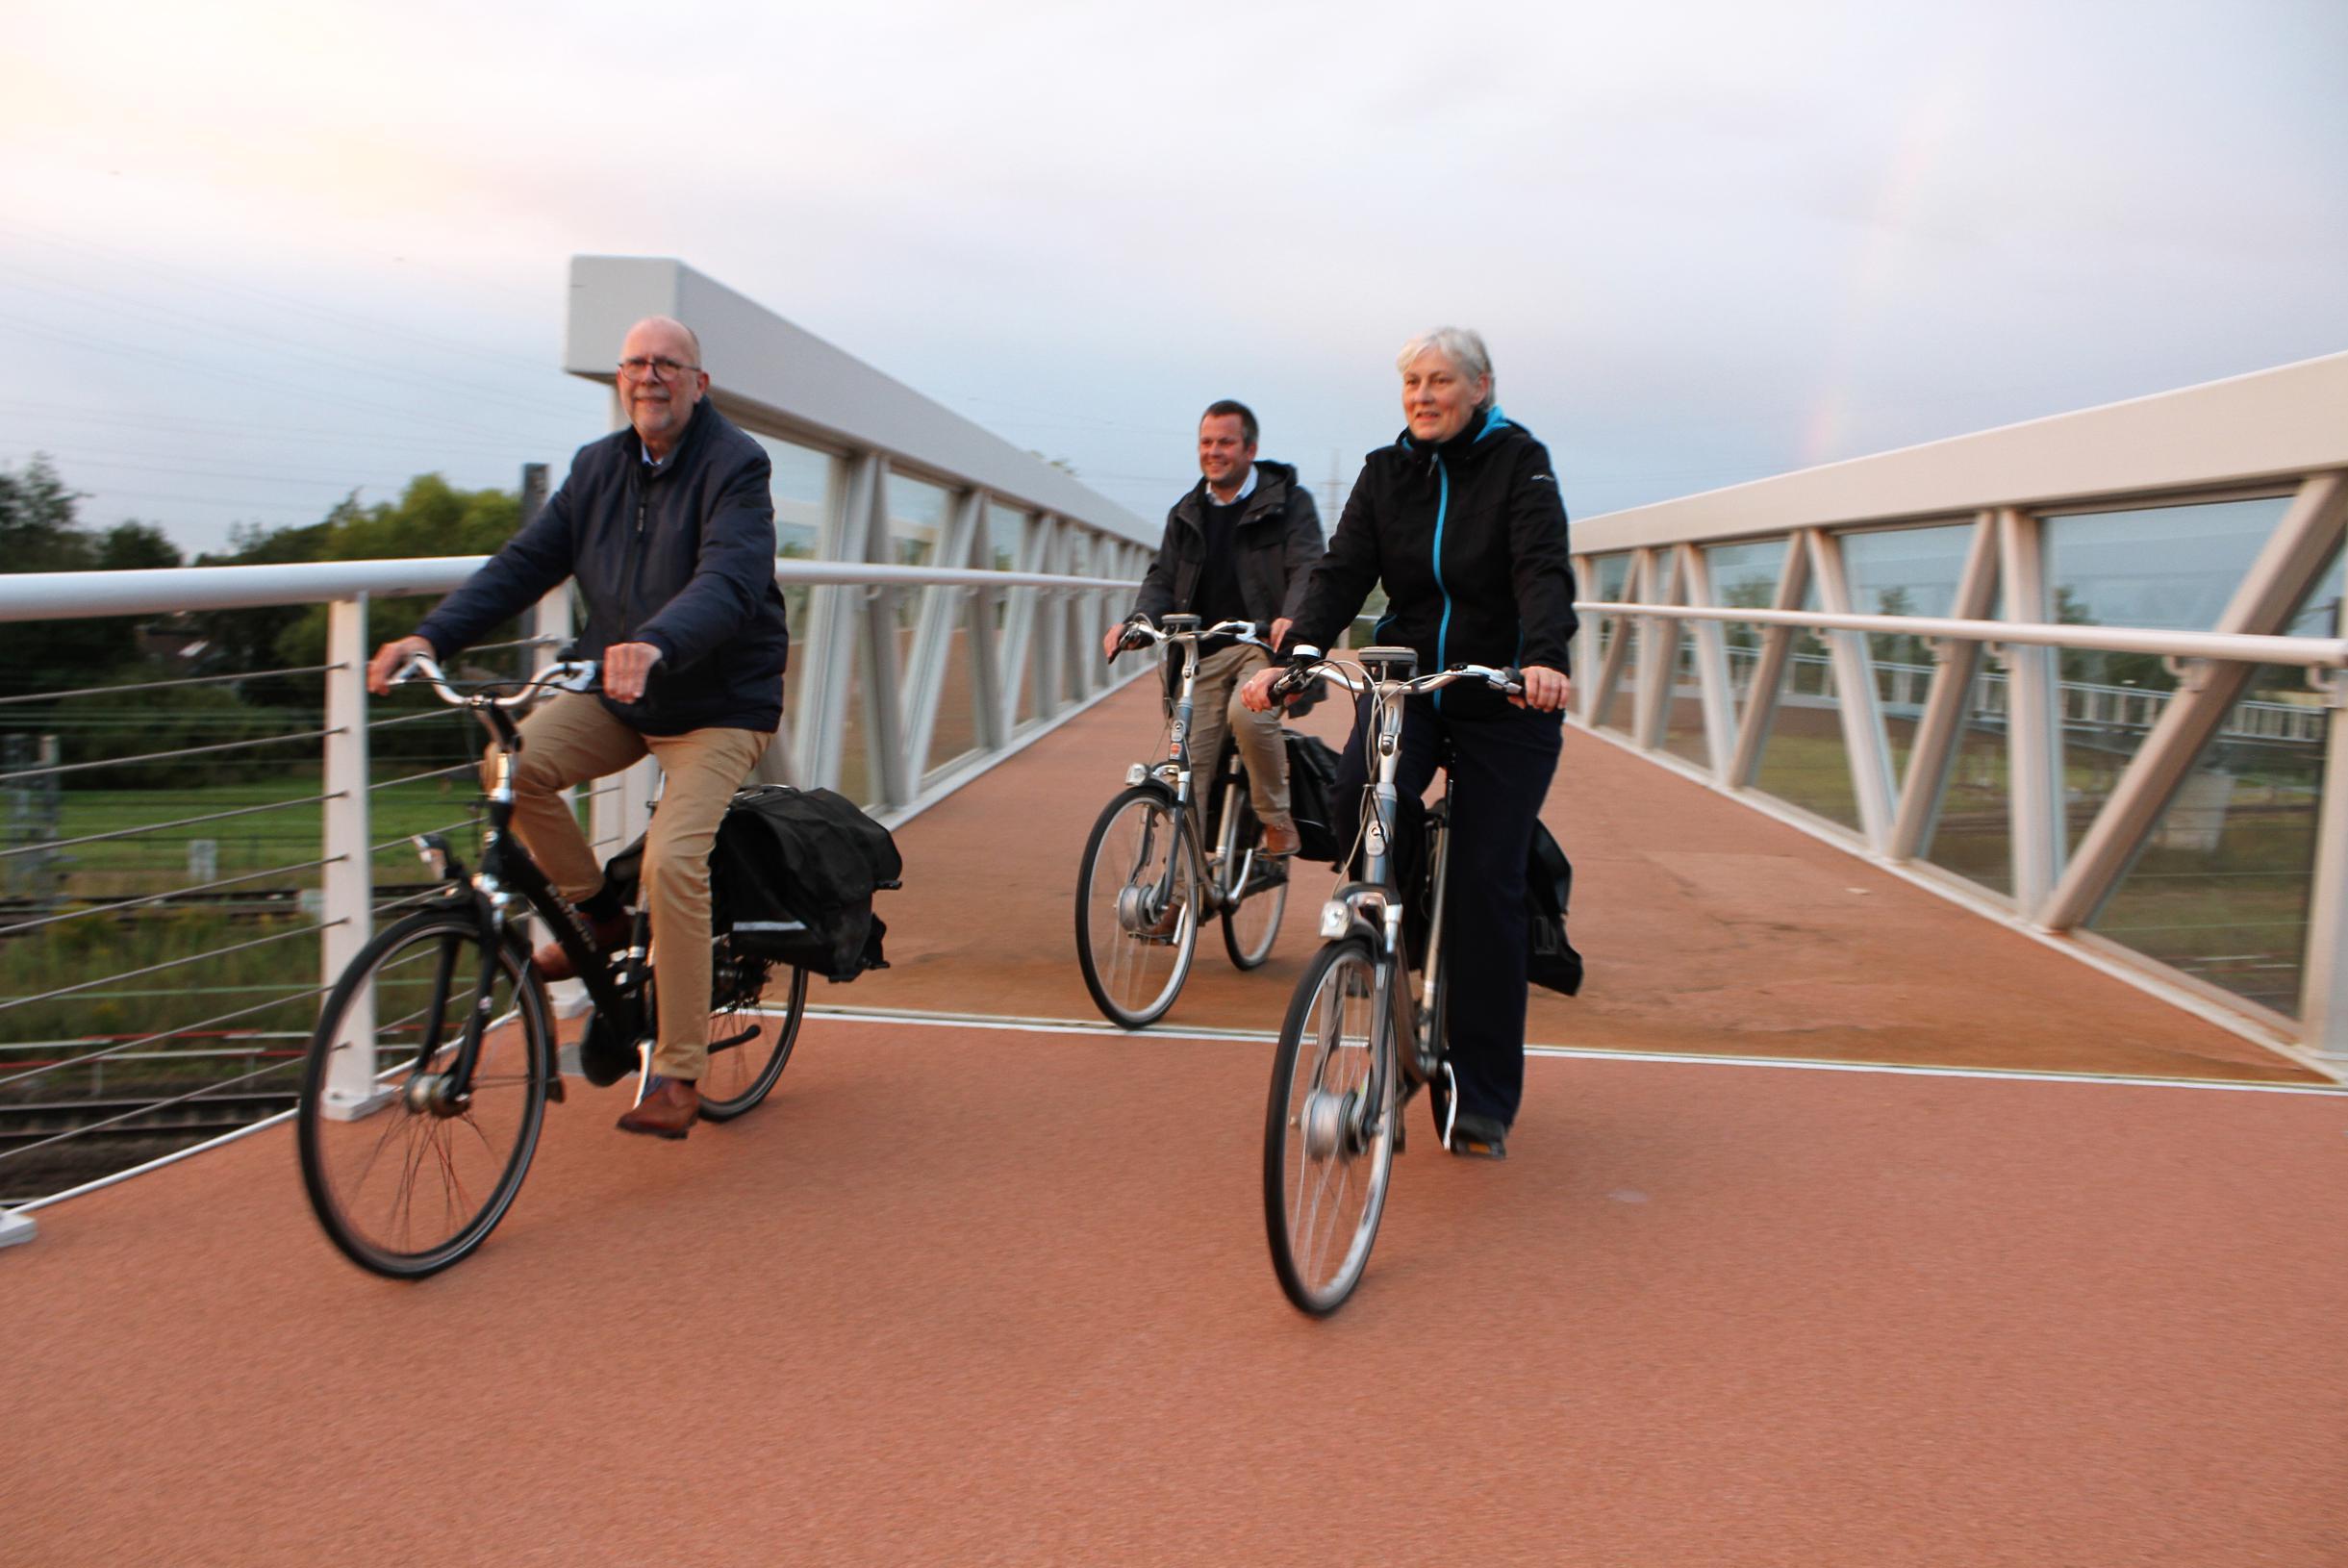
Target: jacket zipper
[(1443, 633), (636, 562)]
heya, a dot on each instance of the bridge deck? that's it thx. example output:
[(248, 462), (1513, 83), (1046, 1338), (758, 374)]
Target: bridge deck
[(968, 1294)]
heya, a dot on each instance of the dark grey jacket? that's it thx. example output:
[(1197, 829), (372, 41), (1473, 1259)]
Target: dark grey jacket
[(1278, 540), (682, 559)]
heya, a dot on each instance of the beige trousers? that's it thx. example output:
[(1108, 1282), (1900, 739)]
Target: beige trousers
[(573, 739), (1215, 705)]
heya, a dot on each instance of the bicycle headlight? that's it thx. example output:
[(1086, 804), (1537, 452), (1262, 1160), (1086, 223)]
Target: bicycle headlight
[(1336, 919), (1137, 772)]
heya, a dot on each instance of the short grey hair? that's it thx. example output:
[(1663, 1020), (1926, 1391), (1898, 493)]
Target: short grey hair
[(1462, 347)]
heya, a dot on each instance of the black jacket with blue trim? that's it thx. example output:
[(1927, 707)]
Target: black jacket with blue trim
[(1470, 540), (681, 557)]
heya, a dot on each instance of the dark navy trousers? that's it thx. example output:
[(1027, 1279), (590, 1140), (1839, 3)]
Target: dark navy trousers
[(1502, 763)]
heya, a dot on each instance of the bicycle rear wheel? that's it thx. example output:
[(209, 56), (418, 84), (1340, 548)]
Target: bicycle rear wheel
[(750, 1037), (1252, 922), (1137, 909), (1329, 1128), (405, 1179)]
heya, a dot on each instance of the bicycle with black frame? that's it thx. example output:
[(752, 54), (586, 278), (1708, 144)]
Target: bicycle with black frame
[(427, 1078), (1165, 855), (1357, 1042)]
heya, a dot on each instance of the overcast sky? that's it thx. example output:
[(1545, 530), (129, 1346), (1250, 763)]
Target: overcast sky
[(255, 256)]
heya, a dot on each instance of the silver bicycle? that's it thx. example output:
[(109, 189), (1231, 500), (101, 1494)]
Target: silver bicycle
[(1357, 1043), (1150, 876)]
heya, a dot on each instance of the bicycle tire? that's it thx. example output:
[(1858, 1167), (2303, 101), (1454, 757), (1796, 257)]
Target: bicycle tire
[(427, 965), (741, 1075), (1252, 922), (1135, 975), (1331, 1116)]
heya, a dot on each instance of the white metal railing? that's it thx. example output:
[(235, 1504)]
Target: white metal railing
[(1902, 688), (2277, 434), (340, 911)]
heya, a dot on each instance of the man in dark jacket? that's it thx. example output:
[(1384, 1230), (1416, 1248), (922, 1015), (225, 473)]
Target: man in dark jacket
[(1238, 547), (668, 528)]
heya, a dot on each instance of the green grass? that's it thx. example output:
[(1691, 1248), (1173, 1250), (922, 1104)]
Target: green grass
[(254, 841)]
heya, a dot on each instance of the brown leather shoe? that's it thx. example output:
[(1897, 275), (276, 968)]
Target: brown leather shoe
[(552, 963), (1281, 841), (668, 1110)]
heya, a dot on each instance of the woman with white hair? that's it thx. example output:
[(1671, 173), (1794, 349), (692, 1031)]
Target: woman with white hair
[(1461, 518)]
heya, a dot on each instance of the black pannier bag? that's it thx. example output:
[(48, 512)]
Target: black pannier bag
[(1312, 781), (791, 878), (1549, 893), (1550, 959)]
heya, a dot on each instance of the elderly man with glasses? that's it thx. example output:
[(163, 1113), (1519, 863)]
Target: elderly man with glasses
[(668, 528)]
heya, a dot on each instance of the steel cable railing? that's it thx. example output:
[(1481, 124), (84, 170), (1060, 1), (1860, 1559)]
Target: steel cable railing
[(169, 949)]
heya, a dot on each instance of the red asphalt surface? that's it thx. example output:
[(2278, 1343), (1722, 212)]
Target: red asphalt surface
[(994, 1295)]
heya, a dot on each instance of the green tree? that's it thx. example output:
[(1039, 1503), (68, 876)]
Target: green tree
[(431, 517), (40, 531)]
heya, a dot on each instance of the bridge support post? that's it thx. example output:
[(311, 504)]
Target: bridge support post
[(347, 880), (2034, 723), (2323, 999)]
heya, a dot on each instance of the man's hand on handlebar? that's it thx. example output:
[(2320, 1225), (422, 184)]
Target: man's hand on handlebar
[(627, 665), (389, 658), (1121, 637), (1545, 689)]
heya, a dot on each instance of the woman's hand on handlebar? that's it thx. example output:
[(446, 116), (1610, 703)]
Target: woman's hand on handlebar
[(1545, 689), (389, 658), (1256, 694)]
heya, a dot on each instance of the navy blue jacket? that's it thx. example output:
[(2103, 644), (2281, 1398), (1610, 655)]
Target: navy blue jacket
[(1470, 540), (681, 557)]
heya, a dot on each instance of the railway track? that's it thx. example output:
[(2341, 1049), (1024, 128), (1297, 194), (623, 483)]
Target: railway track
[(28, 1121)]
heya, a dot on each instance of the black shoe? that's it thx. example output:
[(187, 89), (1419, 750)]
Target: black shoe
[(1479, 1137)]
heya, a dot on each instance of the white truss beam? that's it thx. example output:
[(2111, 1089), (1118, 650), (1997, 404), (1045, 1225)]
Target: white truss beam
[(2270, 593), (1712, 679), (1939, 728), (1769, 668), (1868, 748)]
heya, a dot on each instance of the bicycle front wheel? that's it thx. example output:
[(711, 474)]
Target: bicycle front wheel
[(1137, 909), (406, 1172), (1329, 1128), (750, 1036)]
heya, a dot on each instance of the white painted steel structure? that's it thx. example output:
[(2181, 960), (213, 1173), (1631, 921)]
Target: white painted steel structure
[(2282, 433)]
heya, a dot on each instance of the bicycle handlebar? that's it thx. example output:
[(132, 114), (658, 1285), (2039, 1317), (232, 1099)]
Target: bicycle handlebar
[(1311, 665), (1141, 633), (566, 675)]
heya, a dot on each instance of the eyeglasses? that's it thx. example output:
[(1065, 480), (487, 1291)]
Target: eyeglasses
[(637, 367)]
